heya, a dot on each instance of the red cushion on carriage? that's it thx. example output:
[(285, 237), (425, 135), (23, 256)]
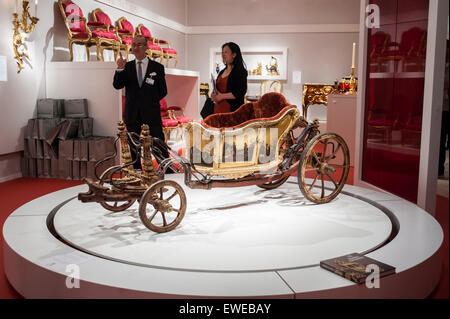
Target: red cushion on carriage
[(269, 106)]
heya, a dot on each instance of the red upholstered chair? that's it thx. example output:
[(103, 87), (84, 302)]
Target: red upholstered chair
[(176, 113), (410, 123), (154, 51), (104, 33), (77, 30), (169, 53), (125, 30), (410, 50), (379, 124), (169, 124), (379, 44)]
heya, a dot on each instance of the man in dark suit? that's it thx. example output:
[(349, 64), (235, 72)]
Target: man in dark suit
[(145, 84)]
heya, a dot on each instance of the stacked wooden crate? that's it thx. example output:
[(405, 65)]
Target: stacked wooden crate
[(59, 142)]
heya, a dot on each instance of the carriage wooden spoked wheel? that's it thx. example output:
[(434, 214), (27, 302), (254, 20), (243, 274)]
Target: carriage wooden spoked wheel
[(115, 206), (163, 205), (325, 158)]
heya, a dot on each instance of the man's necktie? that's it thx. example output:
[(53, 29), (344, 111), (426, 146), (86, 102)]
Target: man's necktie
[(140, 73)]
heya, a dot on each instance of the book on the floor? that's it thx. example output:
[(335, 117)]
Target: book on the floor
[(354, 267)]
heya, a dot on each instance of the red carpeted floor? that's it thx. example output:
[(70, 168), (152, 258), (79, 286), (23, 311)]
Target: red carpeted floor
[(15, 193)]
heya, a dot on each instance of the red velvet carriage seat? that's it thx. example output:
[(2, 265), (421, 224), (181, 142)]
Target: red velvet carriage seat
[(269, 107), (240, 138)]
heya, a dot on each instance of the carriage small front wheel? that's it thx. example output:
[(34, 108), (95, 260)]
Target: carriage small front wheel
[(162, 206), (116, 206), (325, 158)]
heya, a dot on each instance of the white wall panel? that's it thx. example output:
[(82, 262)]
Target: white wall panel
[(269, 12), (321, 57)]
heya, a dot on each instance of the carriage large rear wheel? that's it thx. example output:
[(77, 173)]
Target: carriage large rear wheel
[(325, 158), (162, 206)]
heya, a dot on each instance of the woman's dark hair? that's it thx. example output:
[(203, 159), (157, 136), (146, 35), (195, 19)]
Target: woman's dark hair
[(238, 61)]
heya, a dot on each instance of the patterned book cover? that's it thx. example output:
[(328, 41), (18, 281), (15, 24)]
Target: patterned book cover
[(353, 267)]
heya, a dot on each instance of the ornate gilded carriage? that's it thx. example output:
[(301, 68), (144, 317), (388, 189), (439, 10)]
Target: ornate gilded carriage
[(255, 145), (242, 149)]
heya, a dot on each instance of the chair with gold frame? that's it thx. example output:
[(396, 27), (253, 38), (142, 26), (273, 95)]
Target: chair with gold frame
[(106, 38), (169, 53), (411, 51), (77, 30), (168, 122), (125, 30), (154, 51)]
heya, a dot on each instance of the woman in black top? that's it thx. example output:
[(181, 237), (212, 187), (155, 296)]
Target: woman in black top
[(233, 77)]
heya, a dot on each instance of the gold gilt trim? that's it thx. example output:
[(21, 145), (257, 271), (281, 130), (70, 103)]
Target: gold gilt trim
[(315, 94), (121, 35), (152, 54)]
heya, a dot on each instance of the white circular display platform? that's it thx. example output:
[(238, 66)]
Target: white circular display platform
[(236, 229), (233, 242)]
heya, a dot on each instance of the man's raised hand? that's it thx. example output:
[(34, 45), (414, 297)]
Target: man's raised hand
[(121, 62)]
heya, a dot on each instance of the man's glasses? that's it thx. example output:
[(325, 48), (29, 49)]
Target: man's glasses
[(138, 44)]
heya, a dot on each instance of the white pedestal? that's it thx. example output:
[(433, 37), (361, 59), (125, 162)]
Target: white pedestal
[(341, 119)]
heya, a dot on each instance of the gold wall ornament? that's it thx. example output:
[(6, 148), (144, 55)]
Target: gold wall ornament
[(20, 50)]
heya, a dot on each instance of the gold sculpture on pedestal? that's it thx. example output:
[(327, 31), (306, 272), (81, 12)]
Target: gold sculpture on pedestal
[(257, 71), (19, 47), (353, 83), (272, 69)]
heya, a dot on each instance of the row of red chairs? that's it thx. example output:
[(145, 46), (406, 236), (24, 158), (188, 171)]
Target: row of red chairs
[(105, 36), (410, 50), (173, 117)]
